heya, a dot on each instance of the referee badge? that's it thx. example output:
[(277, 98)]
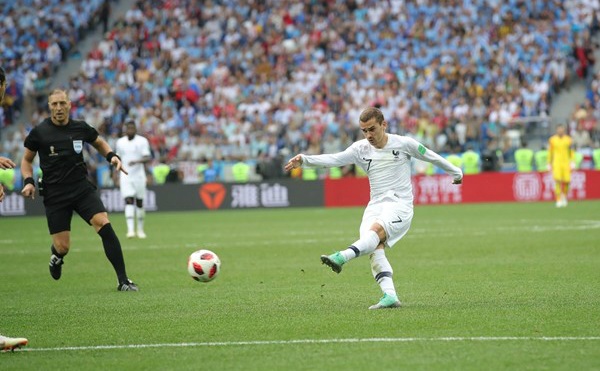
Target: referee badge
[(78, 145)]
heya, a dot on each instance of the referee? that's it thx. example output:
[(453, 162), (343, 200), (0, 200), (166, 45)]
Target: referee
[(59, 141)]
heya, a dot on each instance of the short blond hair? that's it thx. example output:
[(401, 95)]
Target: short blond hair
[(58, 91)]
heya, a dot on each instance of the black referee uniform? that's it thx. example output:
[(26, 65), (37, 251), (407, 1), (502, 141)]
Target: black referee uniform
[(66, 188)]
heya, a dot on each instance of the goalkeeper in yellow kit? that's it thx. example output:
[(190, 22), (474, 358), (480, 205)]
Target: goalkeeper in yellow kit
[(560, 160)]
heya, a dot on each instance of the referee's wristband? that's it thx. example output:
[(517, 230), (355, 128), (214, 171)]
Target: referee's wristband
[(28, 180), (110, 156)]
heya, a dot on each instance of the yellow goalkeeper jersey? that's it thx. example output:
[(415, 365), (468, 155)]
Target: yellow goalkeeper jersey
[(559, 149)]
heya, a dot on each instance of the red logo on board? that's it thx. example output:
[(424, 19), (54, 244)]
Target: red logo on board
[(212, 195)]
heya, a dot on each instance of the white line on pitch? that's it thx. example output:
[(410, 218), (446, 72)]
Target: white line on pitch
[(316, 341)]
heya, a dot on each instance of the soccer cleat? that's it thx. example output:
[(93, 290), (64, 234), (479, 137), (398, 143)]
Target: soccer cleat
[(7, 343), (334, 261), (130, 234), (127, 286), (387, 301), (56, 266), (141, 234), (562, 201)]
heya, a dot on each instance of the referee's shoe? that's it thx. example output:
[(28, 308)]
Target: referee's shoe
[(56, 263), (127, 285)]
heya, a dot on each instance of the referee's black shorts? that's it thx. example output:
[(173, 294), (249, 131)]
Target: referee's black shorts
[(60, 200)]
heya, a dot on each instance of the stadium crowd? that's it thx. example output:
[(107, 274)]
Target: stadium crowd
[(35, 37), (229, 80)]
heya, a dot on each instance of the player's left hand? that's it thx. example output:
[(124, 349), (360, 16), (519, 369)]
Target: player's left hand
[(116, 162), (573, 167), (457, 181)]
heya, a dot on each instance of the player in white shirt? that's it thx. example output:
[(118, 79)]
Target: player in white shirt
[(135, 152), (386, 219)]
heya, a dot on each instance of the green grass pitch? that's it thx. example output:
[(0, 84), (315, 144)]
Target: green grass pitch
[(486, 286)]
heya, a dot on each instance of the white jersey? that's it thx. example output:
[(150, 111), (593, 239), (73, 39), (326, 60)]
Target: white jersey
[(133, 150), (389, 168)]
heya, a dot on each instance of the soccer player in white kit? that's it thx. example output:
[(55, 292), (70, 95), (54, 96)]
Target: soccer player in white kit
[(135, 152), (386, 160)]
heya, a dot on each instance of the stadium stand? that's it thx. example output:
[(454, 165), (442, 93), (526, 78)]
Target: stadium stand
[(232, 79), (35, 37)]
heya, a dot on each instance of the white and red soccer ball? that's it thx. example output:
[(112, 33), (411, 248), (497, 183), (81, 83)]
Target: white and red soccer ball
[(204, 265)]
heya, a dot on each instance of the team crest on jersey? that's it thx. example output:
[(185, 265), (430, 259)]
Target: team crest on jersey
[(78, 146)]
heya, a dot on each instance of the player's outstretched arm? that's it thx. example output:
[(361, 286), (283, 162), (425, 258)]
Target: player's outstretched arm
[(346, 157), (104, 149), (419, 151)]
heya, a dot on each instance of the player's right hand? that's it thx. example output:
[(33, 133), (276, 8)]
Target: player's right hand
[(293, 163), (549, 167), (28, 191), (6, 163)]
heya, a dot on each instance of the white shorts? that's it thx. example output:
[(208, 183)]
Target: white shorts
[(133, 187), (394, 216)]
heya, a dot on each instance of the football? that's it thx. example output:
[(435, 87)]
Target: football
[(204, 265)]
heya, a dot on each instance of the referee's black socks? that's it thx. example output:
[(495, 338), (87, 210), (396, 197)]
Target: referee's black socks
[(54, 252), (112, 249)]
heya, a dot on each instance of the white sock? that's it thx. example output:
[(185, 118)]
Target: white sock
[(140, 214), (130, 217), (365, 245), (382, 272)]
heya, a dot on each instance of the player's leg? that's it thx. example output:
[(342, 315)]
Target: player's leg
[(371, 234), (128, 194), (566, 184), (91, 209), (383, 274), (140, 213), (59, 226), (558, 192), (130, 216), (8, 343), (396, 220), (363, 246), (559, 174)]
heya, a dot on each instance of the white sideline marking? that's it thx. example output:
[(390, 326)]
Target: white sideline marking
[(315, 341)]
